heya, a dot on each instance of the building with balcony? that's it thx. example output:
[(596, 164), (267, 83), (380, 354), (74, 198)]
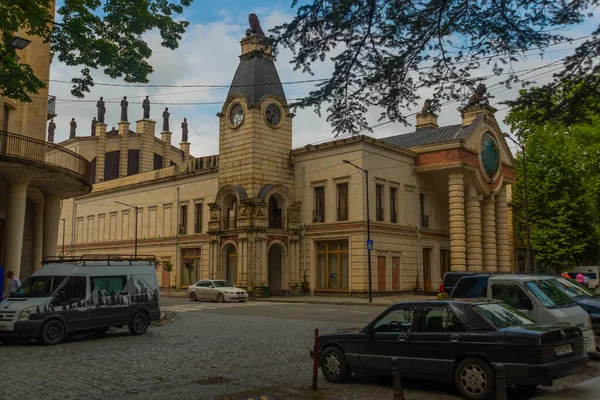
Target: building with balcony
[(263, 214), (35, 176)]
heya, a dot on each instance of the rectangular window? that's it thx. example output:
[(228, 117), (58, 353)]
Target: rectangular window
[(319, 204), (333, 265), (393, 203), (379, 202), (424, 217), (109, 285), (191, 260), (198, 218), (342, 201), (183, 220)]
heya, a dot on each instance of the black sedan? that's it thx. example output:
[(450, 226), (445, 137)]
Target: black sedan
[(458, 341)]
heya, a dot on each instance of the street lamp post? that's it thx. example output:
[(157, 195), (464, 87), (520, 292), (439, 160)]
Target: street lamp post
[(529, 265), (62, 254), (136, 225), (15, 43), (368, 228)]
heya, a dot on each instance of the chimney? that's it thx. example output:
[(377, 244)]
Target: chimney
[(427, 120)]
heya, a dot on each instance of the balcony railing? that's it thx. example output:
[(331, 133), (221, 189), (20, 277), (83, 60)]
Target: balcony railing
[(393, 216), (318, 215), (51, 107), (425, 221), (342, 214), (229, 222), (45, 154), (379, 214)]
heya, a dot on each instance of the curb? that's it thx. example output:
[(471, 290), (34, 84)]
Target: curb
[(336, 303)]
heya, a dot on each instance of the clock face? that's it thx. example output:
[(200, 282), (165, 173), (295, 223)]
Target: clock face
[(237, 115), (273, 115), (490, 155)]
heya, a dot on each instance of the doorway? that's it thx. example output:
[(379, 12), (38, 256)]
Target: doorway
[(381, 273), (427, 270), (230, 263), (276, 263)]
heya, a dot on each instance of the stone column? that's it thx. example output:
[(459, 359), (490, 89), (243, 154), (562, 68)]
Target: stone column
[(489, 235), (100, 152), (166, 138), (16, 204), (145, 127), (185, 147), (458, 247), (502, 235), (474, 254), (51, 220), (124, 153), (38, 230)]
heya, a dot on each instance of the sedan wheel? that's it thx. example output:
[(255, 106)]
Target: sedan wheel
[(220, 298), (334, 366), (475, 379), (193, 296)]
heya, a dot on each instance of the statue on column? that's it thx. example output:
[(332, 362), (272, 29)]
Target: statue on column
[(124, 105), (73, 131), (184, 130), (101, 110), (165, 116), (94, 122), (146, 107), (51, 129), (255, 28), (478, 97)]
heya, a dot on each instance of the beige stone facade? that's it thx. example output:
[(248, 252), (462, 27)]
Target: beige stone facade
[(263, 214)]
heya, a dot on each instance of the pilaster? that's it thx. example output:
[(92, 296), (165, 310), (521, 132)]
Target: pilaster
[(51, 219), (502, 233), (489, 235), (166, 139), (38, 229), (185, 148), (100, 151), (474, 248), (124, 157), (458, 247), (145, 127)]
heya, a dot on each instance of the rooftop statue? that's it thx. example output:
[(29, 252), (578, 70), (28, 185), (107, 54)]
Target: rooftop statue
[(478, 97), (94, 122), (184, 130), (146, 108), (255, 28), (427, 106), (124, 105), (73, 131), (166, 115), (51, 129), (101, 110)]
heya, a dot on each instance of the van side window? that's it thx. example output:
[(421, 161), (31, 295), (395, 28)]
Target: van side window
[(75, 288), (510, 294), (110, 285)]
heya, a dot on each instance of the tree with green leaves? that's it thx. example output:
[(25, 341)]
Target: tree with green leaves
[(383, 51), (563, 183), (91, 34)]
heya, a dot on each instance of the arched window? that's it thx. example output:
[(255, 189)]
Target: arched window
[(229, 211)]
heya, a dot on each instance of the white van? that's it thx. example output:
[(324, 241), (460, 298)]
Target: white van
[(591, 272), (533, 295), (87, 293)]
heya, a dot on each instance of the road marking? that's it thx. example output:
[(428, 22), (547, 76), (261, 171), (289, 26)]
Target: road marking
[(199, 306), (328, 309), (358, 312)]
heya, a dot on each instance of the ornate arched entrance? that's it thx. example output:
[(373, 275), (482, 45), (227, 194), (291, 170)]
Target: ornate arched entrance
[(276, 268), (230, 263)]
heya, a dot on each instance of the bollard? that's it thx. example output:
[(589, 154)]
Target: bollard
[(500, 383), (398, 389), (316, 360)]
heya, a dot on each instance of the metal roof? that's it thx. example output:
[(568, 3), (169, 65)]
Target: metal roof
[(255, 78)]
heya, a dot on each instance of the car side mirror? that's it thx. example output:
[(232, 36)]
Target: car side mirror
[(526, 304), (211, 286)]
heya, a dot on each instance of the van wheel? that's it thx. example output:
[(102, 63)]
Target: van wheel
[(475, 379), (53, 332), (139, 324)]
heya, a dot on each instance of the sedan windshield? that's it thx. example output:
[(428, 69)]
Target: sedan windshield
[(572, 289), (501, 315), (221, 284), (39, 286), (548, 294)]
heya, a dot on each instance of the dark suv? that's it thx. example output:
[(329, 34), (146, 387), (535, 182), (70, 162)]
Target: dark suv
[(451, 279)]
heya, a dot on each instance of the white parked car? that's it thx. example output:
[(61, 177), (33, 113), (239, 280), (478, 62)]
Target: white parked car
[(220, 291)]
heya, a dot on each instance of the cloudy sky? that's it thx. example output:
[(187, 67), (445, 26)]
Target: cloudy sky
[(208, 55)]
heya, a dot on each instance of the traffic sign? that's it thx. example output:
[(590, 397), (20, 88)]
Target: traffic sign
[(369, 244)]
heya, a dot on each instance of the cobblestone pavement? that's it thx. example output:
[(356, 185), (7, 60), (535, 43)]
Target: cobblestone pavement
[(194, 355)]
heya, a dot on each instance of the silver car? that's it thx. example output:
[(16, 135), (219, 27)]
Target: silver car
[(216, 290)]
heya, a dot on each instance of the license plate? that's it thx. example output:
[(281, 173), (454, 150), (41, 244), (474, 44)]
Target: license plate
[(562, 350)]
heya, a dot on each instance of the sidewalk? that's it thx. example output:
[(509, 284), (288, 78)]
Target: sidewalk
[(587, 390), (377, 301)]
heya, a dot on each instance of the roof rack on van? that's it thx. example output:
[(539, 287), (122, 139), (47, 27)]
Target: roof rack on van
[(99, 257)]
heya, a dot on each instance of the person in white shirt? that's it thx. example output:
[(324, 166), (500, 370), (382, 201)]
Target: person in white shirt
[(13, 284)]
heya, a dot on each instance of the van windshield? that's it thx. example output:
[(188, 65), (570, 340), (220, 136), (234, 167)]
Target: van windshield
[(548, 294), (39, 286)]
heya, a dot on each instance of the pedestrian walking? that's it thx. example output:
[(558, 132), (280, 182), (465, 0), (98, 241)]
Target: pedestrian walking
[(13, 284), (579, 278), (586, 281)]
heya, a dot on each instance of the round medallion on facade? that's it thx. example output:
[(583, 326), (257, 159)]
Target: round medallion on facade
[(236, 116), (273, 115), (490, 154)]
